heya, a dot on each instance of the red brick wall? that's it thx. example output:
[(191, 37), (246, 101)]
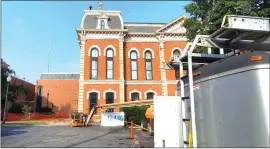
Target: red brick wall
[(102, 44), (142, 89), (30, 88), (62, 93), (141, 61)]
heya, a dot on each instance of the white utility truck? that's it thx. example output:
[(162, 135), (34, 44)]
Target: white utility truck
[(225, 96)]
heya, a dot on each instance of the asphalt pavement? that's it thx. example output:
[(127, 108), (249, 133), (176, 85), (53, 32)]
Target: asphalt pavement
[(65, 136)]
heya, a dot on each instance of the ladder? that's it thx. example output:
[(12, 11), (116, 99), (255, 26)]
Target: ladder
[(91, 114), (236, 32), (198, 60)]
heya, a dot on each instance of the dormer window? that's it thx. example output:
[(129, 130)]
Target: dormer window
[(102, 24)]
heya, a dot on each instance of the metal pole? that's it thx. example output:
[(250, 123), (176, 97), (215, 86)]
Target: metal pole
[(5, 108), (191, 92)]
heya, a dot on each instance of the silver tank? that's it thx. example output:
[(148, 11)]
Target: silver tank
[(232, 102)]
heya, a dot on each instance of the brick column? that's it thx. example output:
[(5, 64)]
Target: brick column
[(81, 86), (121, 61), (162, 69)]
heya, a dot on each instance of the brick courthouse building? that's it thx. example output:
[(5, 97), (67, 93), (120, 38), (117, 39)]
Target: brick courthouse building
[(119, 61)]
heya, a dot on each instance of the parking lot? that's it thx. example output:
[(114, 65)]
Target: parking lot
[(65, 136)]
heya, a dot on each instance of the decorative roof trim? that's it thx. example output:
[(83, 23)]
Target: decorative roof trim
[(103, 30), (140, 34), (171, 23), (151, 25)]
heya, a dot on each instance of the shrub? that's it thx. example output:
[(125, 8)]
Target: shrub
[(135, 113), (16, 108), (26, 109), (46, 111)]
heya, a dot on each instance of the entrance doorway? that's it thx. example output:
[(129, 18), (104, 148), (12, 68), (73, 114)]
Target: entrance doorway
[(93, 101)]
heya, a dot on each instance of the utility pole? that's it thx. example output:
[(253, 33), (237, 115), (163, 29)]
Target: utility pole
[(49, 54)]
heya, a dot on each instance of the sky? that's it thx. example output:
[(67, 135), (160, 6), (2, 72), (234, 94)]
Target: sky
[(27, 26)]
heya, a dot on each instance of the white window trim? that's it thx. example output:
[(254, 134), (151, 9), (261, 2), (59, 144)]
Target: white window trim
[(150, 91), (92, 91), (109, 91), (135, 91), (176, 48), (94, 46), (134, 49), (112, 47), (148, 49), (105, 21)]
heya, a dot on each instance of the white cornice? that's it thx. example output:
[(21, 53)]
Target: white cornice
[(102, 30), (134, 37), (101, 36), (141, 39)]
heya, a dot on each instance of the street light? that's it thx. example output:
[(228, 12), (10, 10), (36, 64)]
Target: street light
[(5, 109)]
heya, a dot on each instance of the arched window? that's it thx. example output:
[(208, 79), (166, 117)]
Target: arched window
[(134, 66), (135, 96), (102, 24), (148, 65), (109, 96), (94, 64), (93, 97), (150, 95), (109, 63), (176, 52)]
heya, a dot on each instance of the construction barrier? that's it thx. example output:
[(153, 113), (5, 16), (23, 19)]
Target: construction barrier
[(112, 119)]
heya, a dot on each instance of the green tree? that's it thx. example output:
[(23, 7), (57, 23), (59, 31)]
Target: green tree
[(206, 15), (26, 109), (135, 113), (14, 89)]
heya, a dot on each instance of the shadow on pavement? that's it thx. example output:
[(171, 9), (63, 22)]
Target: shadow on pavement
[(113, 131), (13, 130)]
